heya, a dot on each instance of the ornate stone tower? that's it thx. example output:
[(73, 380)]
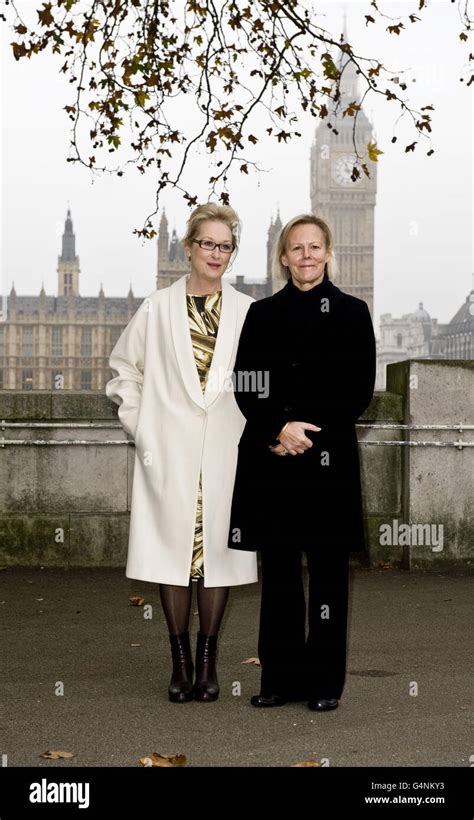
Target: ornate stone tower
[(68, 262), (347, 206), (172, 263), (273, 231)]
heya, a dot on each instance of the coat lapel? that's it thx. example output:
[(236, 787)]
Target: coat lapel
[(182, 340), (220, 369), (221, 359)]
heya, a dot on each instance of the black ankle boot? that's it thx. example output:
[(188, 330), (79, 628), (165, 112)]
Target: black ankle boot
[(180, 689), (206, 687)]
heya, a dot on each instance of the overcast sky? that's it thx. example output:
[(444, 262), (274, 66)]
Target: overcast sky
[(423, 215)]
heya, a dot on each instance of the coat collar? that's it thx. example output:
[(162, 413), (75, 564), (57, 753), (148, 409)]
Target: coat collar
[(325, 290), (220, 368)]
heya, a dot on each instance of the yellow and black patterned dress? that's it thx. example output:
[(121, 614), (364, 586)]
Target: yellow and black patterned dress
[(203, 316)]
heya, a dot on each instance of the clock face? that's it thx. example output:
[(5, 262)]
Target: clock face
[(341, 170)]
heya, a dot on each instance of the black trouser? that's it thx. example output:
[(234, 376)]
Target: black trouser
[(292, 664)]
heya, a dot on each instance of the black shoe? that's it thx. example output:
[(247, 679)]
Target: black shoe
[(206, 687), (323, 704), (267, 700), (180, 689)]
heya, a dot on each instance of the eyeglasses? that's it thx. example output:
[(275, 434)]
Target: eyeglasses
[(209, 245)]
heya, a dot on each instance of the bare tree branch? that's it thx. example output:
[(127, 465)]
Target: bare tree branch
[(132, 61)]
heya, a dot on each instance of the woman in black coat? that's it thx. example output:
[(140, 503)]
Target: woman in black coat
[(304, 373)]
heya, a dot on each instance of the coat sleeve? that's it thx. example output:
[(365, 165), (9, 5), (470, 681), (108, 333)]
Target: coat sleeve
[(126, 362), (354, 362), (265, 415)]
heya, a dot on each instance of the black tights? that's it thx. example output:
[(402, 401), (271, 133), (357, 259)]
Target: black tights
[(176, 603)]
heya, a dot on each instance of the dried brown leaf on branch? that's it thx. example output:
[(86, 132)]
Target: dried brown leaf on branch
[(238, 69)]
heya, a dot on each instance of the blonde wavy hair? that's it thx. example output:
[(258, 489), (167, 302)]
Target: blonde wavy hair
[(280, 271)]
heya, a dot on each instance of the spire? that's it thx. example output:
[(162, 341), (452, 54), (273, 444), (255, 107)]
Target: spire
[(344, 24), (42, 298), (69, 240), (101, 299), (68, 261), (163, 236), (12, 300), (173, 246), (275, 226), (349, 84)]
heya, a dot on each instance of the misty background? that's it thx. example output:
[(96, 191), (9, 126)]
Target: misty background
[(423, 213)]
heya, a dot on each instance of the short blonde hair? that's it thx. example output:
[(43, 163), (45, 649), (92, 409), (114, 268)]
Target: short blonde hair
[(280, 271), (210, 210)]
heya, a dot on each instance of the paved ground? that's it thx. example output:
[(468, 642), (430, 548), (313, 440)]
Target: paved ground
[(77, 627)]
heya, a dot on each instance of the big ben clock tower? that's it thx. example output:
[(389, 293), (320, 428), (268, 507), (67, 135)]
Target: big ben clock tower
[(347, 206)]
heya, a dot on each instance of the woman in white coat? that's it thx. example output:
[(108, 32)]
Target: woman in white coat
[(172, 370)]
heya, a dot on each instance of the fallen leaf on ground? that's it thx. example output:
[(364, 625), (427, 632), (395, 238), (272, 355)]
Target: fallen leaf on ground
[(156, 759), (56, 755), (136, 600), (306, 763), (256, 661)]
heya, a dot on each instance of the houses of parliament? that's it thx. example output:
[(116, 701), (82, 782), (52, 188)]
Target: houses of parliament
[(64, 341)]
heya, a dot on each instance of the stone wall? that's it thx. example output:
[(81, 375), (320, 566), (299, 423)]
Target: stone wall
[(68, 504)]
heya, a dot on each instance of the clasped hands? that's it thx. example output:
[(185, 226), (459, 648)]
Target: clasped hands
[(293, 439)]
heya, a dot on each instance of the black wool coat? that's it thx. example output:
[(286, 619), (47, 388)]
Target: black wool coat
[(314, 353)]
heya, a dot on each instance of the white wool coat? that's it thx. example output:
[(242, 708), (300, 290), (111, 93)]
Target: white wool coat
[(179, 430)]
